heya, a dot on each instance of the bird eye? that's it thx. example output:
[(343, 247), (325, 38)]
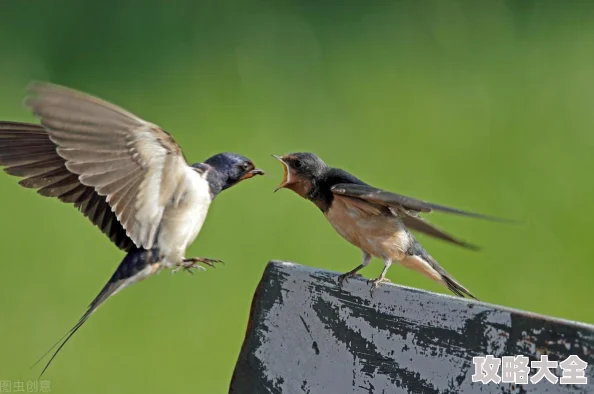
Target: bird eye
[(297, 164), (246, 166)]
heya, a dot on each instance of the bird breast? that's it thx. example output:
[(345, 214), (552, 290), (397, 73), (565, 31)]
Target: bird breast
[(372, 230), (184, 216)]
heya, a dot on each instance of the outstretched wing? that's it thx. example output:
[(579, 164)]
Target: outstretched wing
[(27, 151), (134, 164)]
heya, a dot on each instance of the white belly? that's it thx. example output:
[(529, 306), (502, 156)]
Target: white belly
[(181, 223)]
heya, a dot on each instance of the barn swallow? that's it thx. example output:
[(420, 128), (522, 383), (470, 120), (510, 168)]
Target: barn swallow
[(128, 176), (374, 220)]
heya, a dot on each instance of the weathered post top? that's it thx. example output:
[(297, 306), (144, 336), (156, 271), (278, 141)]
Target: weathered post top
[(307, 335)]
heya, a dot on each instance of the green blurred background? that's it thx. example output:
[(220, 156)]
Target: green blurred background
[(485, 106)]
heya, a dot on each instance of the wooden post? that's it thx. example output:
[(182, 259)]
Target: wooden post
[(307, 335)]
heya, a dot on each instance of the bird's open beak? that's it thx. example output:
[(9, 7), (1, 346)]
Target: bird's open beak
[(286, 175), (252, 174)]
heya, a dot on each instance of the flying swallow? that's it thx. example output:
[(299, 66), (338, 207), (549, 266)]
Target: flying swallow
[(374, 220), (128, 176)]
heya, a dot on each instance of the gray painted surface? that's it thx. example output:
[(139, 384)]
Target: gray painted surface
[(306, 335)]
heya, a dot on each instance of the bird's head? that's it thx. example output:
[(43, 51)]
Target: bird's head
[(303, 171), (229, 169)]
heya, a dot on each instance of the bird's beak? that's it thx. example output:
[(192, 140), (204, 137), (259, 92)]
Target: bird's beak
[(286, 176), (252, 174)]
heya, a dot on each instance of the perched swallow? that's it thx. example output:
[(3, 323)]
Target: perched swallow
[(128, 176), (374, 220)]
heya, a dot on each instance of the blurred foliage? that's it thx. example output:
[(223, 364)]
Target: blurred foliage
[(485, 106)]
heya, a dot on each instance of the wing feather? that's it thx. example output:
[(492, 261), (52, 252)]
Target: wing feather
[(79, 156), (134, 164), (417, 223), (46, 171), (372, 200), (386, 198), (32, 168)]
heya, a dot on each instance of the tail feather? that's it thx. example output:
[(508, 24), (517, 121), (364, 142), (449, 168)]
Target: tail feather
[(456, 287), (419, 260), (136, 266)]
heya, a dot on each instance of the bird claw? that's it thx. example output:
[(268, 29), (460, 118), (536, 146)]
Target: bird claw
[(344, 278), (376, 282), (203, 260), (188, 267), (189, 264)]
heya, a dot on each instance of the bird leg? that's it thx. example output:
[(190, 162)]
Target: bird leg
[(190, 263), (345, 277), (381, 279)]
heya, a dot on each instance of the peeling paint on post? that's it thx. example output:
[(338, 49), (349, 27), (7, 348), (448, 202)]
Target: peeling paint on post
[(306, 335)]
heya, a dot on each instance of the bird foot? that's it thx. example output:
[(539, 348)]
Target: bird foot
[(189, 264), (203, 260), (376, 282), (344, 278)]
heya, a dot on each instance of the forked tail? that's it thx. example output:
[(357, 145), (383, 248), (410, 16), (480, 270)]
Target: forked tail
[(456, 287), (136, 266), (419, 260)]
